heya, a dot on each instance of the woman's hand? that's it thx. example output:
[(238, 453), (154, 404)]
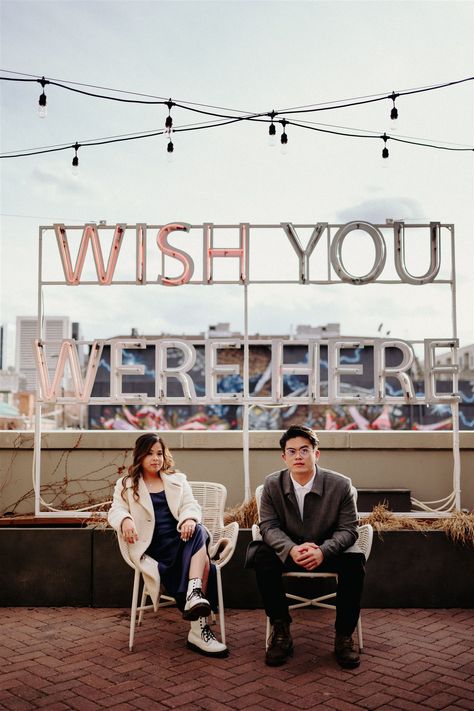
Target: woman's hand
[(187, 529), (128, 531)]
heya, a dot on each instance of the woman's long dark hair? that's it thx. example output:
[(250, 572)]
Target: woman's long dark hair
[(143, 447)]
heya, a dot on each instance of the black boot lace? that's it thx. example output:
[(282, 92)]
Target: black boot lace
[(196, 593), (207, 634)]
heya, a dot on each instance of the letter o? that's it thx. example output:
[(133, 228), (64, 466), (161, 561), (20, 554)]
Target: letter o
[(380, 253)]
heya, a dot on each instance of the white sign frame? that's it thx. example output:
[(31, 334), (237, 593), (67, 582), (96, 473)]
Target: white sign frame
[(335, 265)]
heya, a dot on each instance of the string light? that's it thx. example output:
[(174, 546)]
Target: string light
[(272, 129), (268, 117), (169, 124), (75, 160), (284, 137), (394, 111), (42, 108), (189, 106)]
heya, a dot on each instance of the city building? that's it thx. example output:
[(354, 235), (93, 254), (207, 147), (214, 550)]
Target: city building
[(54, 328), (465, 361)]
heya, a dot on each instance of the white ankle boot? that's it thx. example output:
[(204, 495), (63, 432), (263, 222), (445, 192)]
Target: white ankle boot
[(196, 604), (201, 639)]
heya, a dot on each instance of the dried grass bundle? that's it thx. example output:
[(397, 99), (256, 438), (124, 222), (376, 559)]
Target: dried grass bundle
[(459, 527), (382, 519), (245, 514)]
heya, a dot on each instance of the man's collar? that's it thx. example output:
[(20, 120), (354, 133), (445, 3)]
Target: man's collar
[(317, 487), (308, 485)]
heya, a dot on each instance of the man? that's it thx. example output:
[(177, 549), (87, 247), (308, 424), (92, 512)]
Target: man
[(308, 520)]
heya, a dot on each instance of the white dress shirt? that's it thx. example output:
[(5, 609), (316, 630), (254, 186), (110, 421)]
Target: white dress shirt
[(301, 491)]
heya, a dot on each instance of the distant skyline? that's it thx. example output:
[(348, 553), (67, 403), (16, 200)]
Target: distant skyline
[(252, 56)]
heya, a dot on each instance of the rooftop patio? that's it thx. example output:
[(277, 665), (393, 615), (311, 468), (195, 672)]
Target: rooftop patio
[(77, 658)]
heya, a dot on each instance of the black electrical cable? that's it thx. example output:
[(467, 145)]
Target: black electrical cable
[(267, 117), (392, 138), (184, 105)]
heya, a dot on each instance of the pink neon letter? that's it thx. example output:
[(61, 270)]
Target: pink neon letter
[(73, 276), (183, 257), (68, 352)]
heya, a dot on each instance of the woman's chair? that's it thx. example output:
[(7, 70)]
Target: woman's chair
[(364, 545), (223, 539)]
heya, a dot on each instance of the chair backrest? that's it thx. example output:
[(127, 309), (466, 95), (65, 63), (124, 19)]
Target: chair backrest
[(211, 497)]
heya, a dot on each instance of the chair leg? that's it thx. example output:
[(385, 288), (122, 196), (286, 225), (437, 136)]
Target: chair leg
[(133, 611), (267, 633), (359, 635), (220, 602), (142, 604)]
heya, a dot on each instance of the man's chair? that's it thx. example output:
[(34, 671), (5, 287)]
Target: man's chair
[(223, 539), (364, 545)]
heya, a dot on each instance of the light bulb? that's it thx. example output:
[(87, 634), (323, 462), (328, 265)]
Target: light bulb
[(75, 166), (42, 108), (272, 135), (394, 113)]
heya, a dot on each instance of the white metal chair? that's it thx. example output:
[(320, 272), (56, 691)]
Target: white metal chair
[(364, 545), (223, 539)]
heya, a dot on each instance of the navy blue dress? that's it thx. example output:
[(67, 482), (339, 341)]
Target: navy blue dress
[(174, 555)]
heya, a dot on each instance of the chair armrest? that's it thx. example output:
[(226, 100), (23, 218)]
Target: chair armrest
[(363, 543), (256, 535), (223, 549)]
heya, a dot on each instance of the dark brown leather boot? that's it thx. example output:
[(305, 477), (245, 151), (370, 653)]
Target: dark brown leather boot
[(346, 656), (280, 644)]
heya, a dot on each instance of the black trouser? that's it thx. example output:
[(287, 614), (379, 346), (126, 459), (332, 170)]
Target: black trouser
[(350, 568)]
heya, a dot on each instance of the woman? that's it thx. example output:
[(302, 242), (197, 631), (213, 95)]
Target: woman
[(157, 518)]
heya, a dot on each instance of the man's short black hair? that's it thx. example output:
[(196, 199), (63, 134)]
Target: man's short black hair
[(299, 431)]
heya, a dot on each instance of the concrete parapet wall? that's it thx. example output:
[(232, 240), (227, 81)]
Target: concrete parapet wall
[(80, 467)]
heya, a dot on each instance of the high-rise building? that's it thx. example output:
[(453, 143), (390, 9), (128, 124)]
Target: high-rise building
[(7, 346), (54, 328)]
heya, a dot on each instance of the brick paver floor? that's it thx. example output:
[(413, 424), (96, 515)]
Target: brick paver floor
[(69, 658)]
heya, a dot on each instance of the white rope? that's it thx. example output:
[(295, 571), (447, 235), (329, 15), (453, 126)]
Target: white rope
[(448, 504)]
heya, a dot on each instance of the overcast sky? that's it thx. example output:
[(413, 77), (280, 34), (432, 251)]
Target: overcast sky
[(249, 56)]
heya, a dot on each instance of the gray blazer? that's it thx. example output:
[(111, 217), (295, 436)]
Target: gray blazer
[(329, 514)]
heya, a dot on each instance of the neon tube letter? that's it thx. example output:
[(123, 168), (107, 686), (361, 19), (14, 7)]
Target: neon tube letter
[(183, 257), (382, 371), (380, 253), (304, 254), (210, 252), (89, 234), (67, 353), (163, 372)]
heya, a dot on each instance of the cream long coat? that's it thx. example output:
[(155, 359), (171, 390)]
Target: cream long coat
[(182, 504)]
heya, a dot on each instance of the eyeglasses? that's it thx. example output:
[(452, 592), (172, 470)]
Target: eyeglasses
[(304, 451)]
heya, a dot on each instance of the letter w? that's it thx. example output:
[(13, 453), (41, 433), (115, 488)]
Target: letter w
[(68, 352), (89, 234)]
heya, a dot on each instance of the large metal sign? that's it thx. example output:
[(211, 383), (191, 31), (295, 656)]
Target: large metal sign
[(178, 254)]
